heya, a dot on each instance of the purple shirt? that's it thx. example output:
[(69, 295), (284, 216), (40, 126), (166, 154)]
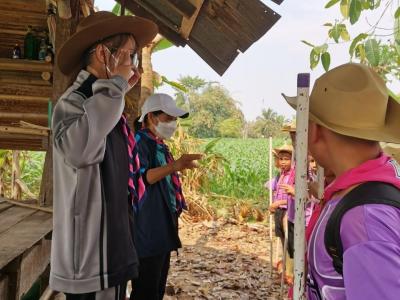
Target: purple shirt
[(371, 260), (280, 194), (309, 209), (274, 185)]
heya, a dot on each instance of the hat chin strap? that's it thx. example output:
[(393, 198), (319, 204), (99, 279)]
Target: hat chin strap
[(105, 63)]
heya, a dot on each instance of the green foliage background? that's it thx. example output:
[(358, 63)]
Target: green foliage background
[(246, 169)]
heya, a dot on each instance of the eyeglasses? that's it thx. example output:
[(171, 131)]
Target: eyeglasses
[(133, 56)]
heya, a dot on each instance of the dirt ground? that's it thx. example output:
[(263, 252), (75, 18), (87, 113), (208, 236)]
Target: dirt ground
[(222, 260)]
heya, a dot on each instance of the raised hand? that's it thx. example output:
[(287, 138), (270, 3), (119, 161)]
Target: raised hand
[(186, 161)]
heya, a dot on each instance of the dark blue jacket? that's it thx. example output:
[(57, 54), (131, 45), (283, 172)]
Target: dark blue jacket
[(156, 227)]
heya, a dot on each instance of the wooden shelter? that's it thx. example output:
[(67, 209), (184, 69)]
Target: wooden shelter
[(25, 86), (217, 30)]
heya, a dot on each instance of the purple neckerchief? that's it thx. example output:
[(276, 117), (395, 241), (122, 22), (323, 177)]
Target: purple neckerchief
[(136, 187), (175, 179)]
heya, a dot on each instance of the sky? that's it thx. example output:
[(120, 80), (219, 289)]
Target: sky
[(270, 66)]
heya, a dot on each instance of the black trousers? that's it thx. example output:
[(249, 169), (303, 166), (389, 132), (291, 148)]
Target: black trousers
[(153, 273), (290, 239), (279, 229), (113, 293)]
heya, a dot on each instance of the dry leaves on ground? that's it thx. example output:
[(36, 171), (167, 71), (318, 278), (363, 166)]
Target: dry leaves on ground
[(222, 260)]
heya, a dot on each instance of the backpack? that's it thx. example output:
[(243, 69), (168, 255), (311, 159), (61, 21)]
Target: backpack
[(367, 193)]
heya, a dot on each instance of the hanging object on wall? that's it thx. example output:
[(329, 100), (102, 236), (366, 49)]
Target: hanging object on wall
[(51, 22)]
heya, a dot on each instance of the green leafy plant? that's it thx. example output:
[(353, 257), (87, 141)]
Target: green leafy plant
[(377, 47)]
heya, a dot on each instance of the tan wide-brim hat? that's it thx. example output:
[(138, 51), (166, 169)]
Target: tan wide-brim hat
[(353, 100), (285, 148), (97, 27), (289, 127), (392, 150)]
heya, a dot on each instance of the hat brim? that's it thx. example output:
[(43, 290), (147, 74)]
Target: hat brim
[(288, 129), (178, 113), (389, 133), (392, 149), (69, 57), (286, 149)]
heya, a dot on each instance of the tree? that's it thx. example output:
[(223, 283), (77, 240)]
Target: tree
[(230, 128), (377, 47), (268, 124), (210, 105)]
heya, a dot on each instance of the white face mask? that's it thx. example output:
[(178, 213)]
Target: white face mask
[(165, 130)]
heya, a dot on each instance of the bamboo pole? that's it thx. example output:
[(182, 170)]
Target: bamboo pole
[(20, 130), (22, 116), (32, 206), (7, 64), (15, 175), (303, 86), (24, 98), (270, 203), (30, 125), (284, 256)]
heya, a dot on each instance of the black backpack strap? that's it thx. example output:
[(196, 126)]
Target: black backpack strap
[(366, 193)]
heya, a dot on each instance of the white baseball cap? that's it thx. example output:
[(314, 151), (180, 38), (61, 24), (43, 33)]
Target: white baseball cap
[(162, 102)]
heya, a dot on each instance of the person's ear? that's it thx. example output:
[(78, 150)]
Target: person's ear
[(100, 53), (314, 133), (152, 119)]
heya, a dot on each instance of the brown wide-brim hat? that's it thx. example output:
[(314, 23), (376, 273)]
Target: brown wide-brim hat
[(354, 101), (96, 28)]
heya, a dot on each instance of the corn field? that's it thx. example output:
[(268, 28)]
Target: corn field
[(228, 183)]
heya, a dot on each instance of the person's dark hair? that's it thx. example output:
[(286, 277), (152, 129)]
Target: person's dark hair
[(113, 42), (138, 125)]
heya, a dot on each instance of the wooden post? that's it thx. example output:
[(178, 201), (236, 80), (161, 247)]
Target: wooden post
[(303, 86), (65, 26), (321, 182), (284, 256), (15, 175), (270, 203)]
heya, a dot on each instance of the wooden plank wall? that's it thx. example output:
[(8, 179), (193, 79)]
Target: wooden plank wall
[(24, 94)]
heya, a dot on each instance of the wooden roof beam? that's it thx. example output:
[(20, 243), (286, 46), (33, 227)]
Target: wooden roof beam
[(188, 23), (185, 7), (277, 1)]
